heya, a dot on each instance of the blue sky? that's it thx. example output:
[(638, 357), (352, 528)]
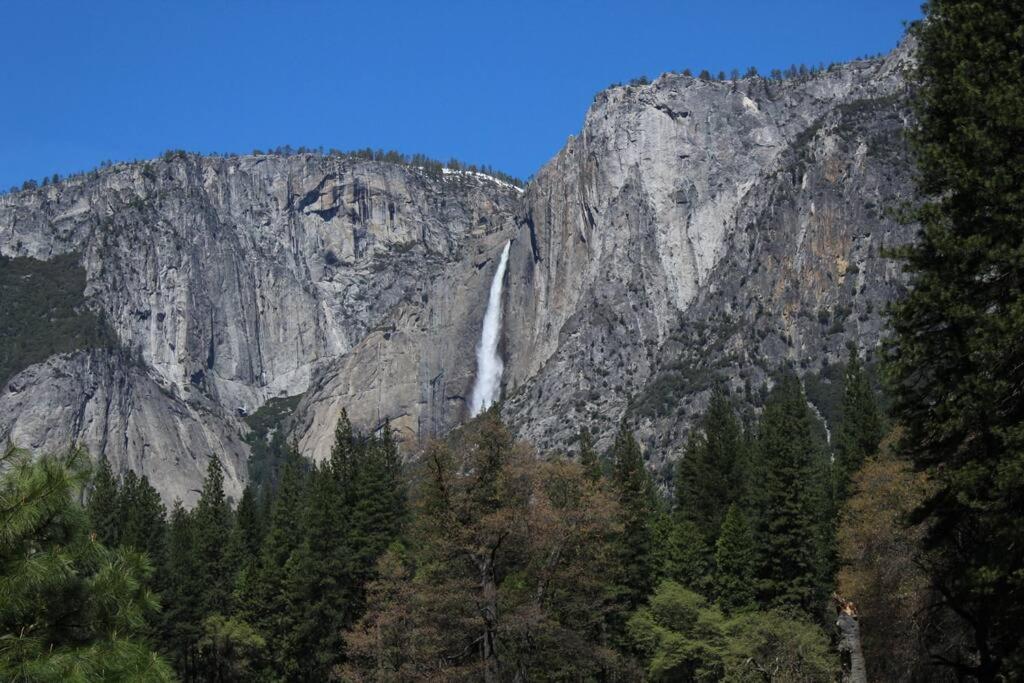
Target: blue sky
[(489, 83)]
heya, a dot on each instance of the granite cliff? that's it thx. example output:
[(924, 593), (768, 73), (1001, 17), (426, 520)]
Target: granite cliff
[(694, 234)]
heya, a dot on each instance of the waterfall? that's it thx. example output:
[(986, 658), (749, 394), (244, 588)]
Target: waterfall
[(488, 362)]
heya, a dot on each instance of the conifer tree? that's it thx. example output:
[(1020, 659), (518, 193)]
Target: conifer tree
[(957, 358), (319, 580), (711, 474), (142, 516), (247, 532), (211, 530), (588, 455), (632, 486), (790, 500), (102, 505), (70, 608), (179, 579), (735, 562), (861, 428), (265, 600), (375, 499)]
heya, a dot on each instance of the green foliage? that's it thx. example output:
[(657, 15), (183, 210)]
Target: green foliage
[(681, 637), (179, 627), (71, 609), (42, 312), (684, 553), (735, 562), (588, 457), (791, 503), (504, 576), (211, 527), (711, 474), (776, 646), (232, 649), (957, 357), (632, 485), (140, 516), (861, 429), (266, 439), (103, 506)]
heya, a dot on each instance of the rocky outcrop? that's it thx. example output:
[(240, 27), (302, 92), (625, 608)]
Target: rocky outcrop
[(647, 227), (230, 281), (114, 407), (695, 234)]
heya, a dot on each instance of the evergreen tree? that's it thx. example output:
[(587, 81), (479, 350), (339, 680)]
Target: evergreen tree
[(711, 474), (247, 532), (71, 608), (861, 428), (179, 578), (957, 359), (790, 502), (211, 530), (735, 562), (142, 516), (265, 600), (683, 554), (503, 576), (632, 486), (102, 505), (375, 499), (588, 455)]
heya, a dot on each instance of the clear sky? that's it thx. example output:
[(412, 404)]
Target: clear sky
[(486, 82)]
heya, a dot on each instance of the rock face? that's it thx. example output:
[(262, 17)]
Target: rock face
[(229, 281), (748, 207), (694, 234)]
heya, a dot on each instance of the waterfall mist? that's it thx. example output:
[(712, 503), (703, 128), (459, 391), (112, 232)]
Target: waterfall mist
[(488, 362)]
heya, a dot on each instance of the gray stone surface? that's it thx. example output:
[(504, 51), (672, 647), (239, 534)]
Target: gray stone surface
[(694, 234), (229, 281)]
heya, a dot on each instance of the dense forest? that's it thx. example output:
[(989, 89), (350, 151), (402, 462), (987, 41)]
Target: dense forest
[(890, 548), (477, 560)]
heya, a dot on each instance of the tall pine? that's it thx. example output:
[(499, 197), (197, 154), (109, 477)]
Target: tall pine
[(102, 506), (790, 496), (710, 476), (211, 529), (632, 486), (957, 359), (588, 455), (861, 429), (71, 609), (735, 562)]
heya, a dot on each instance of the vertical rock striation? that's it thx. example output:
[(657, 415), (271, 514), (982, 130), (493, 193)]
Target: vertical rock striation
[(694, 234)]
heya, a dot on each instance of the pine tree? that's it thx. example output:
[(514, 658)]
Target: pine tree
[(211, 530), (711, 474), (790, 501), (861, 428), (179, 579), (248, 532), (375, 498), (957, 358), (735, 562), (102, 505), (632, 486), (71, 608), (142, 516), (588, 456), (265, 600)]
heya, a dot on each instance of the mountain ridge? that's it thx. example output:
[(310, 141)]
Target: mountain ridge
[(361, 284)]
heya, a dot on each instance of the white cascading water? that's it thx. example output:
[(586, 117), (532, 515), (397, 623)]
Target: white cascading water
[(488, 362)]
